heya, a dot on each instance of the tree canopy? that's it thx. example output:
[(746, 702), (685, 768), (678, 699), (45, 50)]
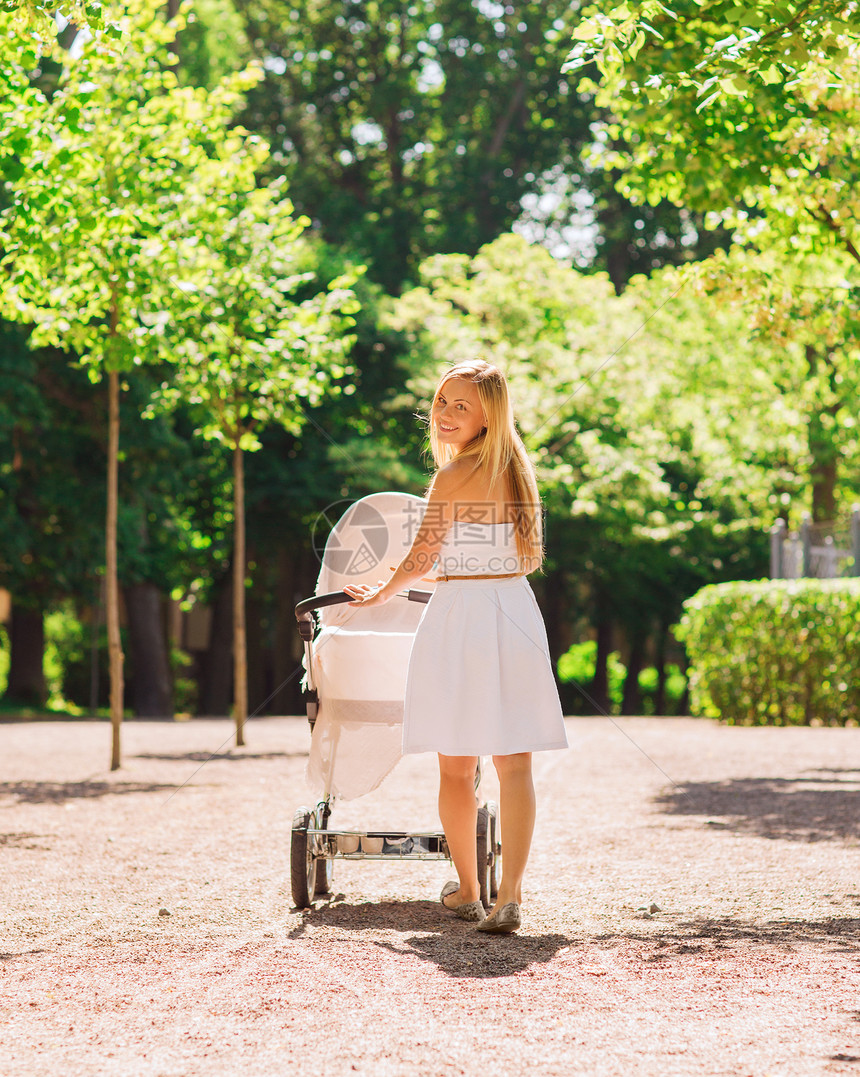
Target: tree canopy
[(747, 111), (406, 130), (184, 209), (122, 217), (656, 480)]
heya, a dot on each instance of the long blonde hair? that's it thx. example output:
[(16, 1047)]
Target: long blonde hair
[(499, 452)]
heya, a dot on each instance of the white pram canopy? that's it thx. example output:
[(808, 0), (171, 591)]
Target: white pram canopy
[(360, 656)]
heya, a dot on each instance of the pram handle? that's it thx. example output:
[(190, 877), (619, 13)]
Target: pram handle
[(307, 606)]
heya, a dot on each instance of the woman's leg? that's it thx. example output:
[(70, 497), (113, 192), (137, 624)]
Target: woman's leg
[(458, 810), (517, 812)]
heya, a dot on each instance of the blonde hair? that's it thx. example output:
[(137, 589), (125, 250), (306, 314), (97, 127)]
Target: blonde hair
[(499, 452)]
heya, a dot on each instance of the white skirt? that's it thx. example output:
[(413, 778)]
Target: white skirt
[(480, 679)]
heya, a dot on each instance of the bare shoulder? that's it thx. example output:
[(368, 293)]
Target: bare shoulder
[(466, 490), (451, 478)]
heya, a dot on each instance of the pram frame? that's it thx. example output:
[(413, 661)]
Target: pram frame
[(314, 847)]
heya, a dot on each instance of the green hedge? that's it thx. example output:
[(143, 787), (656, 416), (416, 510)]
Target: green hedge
[(775, 652)]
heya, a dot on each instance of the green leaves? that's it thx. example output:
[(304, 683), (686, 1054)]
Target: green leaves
[(750, 107), (660, 431), (135, 234), (775, 652), (256, 340), (108, 167), (417, 129), (41, 16)]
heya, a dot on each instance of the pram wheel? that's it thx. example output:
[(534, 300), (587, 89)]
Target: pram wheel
[(489, 853), (495, 851), (482, 836), (309, 874), (324, 866), (303, 866)]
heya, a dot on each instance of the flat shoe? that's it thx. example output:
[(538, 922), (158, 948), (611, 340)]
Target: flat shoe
[(503, 922), (449, 888), (471, 911)]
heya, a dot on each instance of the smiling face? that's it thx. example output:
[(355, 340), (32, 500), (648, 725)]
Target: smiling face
[(458, 416)]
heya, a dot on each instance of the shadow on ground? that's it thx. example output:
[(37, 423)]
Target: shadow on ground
[(60, 792), (720, 937), (428, 932), (211, 757), (20, 954), (820, 806), (460, 951), (24, 840)]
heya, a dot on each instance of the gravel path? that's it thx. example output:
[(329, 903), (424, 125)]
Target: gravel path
[(746, 840)]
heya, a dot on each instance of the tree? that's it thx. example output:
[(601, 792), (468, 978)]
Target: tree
[(211, 44), (665, 437), (258, 351), (750, 114), (409, 129), (169, 531), (41, 16), (774, 33), (807, 309), (747, 112), (47, 489), (103, 171)]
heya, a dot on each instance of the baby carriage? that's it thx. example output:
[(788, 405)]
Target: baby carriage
[(356, 661)]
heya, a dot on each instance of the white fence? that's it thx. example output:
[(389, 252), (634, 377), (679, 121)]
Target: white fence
[(823, 550)]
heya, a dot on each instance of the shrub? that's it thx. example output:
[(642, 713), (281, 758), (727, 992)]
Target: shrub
[(673, 690), (775, 652), (68, 657), (576, 670)]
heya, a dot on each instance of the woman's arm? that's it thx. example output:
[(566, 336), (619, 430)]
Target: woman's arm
[(435, 525)]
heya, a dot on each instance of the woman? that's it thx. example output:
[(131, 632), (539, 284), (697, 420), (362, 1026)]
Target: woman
[(480, 680)]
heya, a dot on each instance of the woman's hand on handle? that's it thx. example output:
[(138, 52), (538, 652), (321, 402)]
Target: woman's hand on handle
[(367, 595)]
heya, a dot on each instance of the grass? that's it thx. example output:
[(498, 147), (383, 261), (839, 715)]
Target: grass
[(52, 711)]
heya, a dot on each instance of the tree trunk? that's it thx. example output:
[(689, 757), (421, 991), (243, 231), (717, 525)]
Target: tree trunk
[(612, 218), (258, 681), (631, 702), (599, 687), (26, 684), (95, 656), (240, 664), (821, 441), (173, 7), (660, 662), (151, 680), (111, 578), (216, 673), (556, 615), (288, 646)]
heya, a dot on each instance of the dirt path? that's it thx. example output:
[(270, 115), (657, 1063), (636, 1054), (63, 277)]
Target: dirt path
[(746, 839)]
